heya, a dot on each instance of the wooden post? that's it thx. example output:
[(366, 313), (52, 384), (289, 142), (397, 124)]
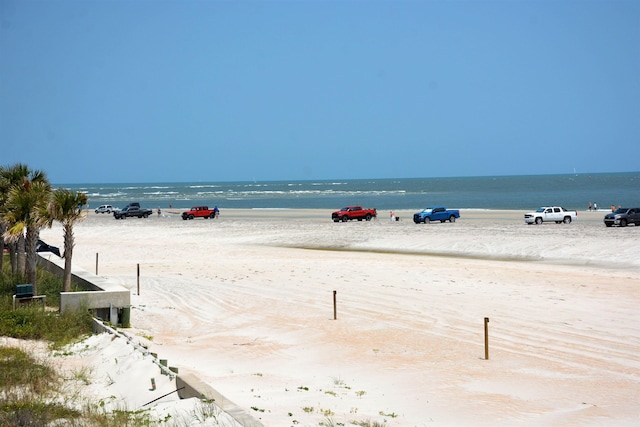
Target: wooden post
[(486, 338), (138, 279), (335, 310), (96, 263)]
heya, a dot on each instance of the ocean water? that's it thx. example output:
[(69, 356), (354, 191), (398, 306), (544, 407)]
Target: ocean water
[(573, 191)]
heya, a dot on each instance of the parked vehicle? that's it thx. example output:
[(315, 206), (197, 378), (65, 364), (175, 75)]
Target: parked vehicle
[(623, 217), (353, 212), (200, 212), (43, 247), (436, 213), (132, 211), (555, 214), (105, 209)]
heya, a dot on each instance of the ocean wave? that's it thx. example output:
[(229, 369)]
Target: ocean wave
[(517, 192)]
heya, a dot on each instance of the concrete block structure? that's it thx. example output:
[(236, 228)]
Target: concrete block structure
[(107, 300)]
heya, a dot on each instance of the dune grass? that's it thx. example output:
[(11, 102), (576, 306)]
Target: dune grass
[(32, 391)]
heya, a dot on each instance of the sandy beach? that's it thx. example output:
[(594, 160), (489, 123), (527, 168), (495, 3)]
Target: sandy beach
[(246, 303)]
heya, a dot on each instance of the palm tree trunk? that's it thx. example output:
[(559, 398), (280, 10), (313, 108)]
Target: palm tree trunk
[(20, 253), (3, 228), (68, 253), (12, 258), (32, 241)]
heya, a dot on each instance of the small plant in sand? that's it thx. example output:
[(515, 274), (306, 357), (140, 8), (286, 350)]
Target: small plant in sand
[(390, 415), (368, 423), (83, 375), (328, 422), (205, 410), (110, 381), (337, 381)]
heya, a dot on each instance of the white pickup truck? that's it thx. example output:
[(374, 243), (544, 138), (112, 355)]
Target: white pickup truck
[(556, 214)]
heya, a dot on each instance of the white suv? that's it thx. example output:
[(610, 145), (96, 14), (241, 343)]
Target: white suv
[(556, 214), (106, 209)]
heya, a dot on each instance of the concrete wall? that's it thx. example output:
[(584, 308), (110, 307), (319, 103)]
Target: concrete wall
[(98, 294), (190, 386)]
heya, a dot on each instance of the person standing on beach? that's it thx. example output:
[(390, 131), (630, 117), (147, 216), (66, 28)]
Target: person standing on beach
[(595, 206), (159, 211), (216, 211), (392, 216), (590, 207)]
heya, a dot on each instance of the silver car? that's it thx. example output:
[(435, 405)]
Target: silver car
[(106, 209)]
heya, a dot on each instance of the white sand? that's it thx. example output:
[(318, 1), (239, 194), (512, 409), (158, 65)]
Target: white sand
[(246, 303)]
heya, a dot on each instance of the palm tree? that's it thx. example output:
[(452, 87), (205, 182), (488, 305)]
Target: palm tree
[(4, 193), (66, 206), (28, 192), (9, 177), (25, 203)]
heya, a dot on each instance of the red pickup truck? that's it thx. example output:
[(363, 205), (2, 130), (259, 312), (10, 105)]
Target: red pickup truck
[(353, 212), (200, 212)]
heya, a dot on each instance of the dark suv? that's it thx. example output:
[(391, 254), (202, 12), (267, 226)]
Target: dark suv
[(623, 217)]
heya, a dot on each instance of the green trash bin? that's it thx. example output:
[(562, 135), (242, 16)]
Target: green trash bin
[(125, 317)]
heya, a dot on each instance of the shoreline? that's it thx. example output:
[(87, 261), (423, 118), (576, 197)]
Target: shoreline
[(404, 214)]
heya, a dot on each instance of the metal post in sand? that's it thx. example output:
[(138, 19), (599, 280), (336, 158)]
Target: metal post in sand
[(335, 310), (486, 338)]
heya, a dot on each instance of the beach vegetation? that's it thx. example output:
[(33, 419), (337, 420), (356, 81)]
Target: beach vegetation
[(328, 422), (32, 323), (338, 381), (25, 192), (33, 393), (146, 337), (83, 375), (207, 409), (27, 204), (368, 423), (65, 206), (390, 415)]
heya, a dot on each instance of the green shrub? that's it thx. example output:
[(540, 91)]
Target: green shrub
[(33, 413), (36, 324), (20, 370)]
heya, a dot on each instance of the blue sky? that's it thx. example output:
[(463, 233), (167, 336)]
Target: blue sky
[(172, 91)]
